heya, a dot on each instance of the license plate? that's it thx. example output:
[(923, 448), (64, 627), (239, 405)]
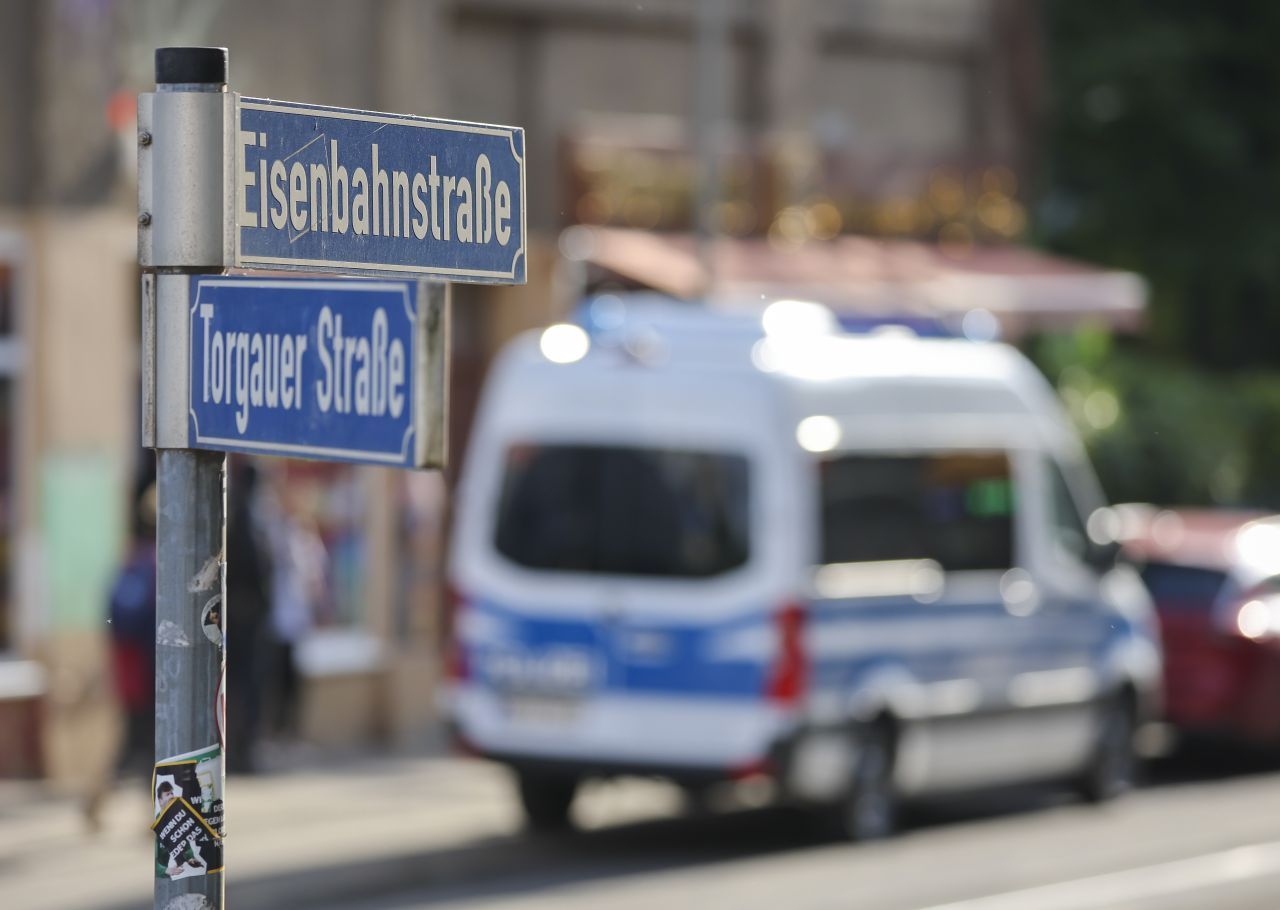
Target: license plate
[(542, 710)]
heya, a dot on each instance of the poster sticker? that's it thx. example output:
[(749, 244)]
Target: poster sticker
[(187, 790), (185, 844)]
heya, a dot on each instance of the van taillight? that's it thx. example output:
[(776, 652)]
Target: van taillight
[(455, 656), (789, 675)]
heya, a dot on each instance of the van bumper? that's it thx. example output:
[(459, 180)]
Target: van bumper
[(684, 739), (786, 763), (580, 769)]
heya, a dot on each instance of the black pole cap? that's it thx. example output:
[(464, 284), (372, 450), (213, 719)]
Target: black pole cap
[(192, 65)]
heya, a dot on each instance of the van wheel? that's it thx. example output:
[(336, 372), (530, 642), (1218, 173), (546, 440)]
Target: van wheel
[(1112, 769), (546, 800), (869, 810)]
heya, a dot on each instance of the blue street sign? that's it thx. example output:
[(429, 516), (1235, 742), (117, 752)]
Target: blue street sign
[(326, 189), (315, 368)]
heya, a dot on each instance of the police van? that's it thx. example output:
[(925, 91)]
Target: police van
[(713, 546)]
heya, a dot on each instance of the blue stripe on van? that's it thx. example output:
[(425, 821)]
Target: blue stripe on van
[(630, 655), (643, 657)]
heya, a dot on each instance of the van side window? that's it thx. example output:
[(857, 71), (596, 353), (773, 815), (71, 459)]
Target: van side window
[(953, 507), (1070, 532), (624, 510)]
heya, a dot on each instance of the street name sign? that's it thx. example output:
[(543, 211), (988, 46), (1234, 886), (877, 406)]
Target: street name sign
[(340, 370), (326, 189)]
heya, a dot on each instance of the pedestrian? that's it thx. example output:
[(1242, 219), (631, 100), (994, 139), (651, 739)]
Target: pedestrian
[(131, 619)]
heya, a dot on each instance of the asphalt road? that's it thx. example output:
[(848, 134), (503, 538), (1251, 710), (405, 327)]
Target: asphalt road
[(391, 834), (1193, 840)]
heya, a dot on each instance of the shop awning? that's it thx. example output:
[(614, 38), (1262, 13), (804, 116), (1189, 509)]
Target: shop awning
[(1026, 290)]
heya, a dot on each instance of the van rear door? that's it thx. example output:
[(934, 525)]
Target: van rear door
[(636, 525), (638, 569)]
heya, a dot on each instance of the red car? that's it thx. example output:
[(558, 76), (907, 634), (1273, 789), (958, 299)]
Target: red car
[(1215, 579)]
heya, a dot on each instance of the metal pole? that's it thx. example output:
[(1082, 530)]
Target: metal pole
[(189, 573), (190, 568)]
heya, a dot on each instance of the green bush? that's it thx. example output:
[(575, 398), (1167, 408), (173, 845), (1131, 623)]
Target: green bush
[(1165, 432)]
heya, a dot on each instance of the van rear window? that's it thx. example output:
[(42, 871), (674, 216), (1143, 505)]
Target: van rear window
[(954, 508), (623, 510)]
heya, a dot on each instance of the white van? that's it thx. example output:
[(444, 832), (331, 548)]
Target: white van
[(711, 547)]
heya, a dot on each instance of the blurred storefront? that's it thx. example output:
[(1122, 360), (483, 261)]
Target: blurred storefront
[(68, 427), (366, 657)]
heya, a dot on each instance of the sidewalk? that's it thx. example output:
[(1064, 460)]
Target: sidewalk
[(280, 826)]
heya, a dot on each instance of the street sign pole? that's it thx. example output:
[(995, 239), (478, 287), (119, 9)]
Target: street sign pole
[(181, 180)]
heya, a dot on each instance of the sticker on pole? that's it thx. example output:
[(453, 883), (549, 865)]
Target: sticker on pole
[(187, 790), (335, 370), (211, 619), (328, 189)]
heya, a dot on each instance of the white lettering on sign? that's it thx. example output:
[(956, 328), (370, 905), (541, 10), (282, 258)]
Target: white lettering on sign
[(362, 375), (380, 202), (251, 371)]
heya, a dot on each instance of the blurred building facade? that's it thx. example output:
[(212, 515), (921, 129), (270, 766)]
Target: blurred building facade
[(905, 118)]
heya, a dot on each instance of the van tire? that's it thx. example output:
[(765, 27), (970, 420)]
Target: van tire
[(546, 800), (869, 810), (1112, 768)]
